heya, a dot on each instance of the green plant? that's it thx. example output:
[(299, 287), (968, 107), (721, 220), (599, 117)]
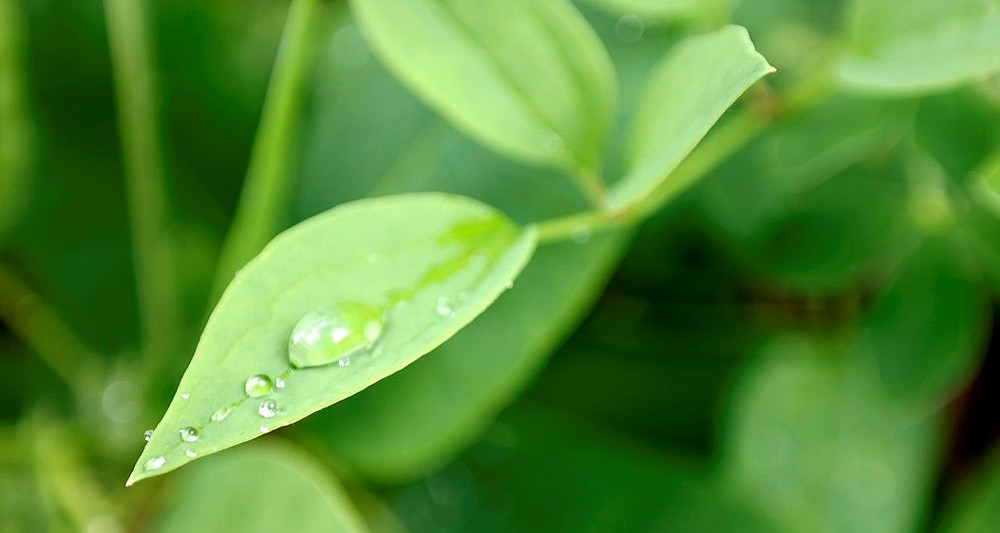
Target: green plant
[(459, 214)]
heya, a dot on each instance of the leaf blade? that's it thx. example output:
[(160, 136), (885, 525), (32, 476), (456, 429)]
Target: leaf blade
[(690, 90), (537, 86), (415, 266), (903, 48)]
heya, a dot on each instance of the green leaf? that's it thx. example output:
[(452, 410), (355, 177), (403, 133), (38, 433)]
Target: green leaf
[(927, 331), (668, 10), (526, 77), (428, 263), (259, 489), (815, 444), (976, 508), (907, 47), (385, 435), (697, 81)]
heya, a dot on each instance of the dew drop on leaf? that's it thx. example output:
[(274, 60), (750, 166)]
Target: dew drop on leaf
[(279, 383), (344, 361), (147, 435), (190, 453), (221, 414), (580, 234), (258, 385), (188, 434), (333, 332), (444, 307), (268, 408), (154, 463)]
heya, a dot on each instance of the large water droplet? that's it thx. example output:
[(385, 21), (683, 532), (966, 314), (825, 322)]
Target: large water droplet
[(268, 408), (155, 463), (258, 385), (333, 332), (188, 434), (221, 414), (148, 434)]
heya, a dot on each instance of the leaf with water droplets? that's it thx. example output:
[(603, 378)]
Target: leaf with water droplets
[(697, 81), (431, 246), (529, 78)]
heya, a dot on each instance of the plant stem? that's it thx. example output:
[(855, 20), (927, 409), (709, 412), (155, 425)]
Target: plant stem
[(592, 186), (131, 59), (268, 186), (47, 335), (727, 139)]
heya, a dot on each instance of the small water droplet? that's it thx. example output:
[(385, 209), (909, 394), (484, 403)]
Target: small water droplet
[(554, 143), (147, 435), (443, 307), (279, 383), (268, 408), (264, 429), (155, 463), (580, 234), (509, 285), (188, 434), (185, 396), (344, 361), (221, 414), (630, 28), (332, 333), (190, 453), (258, 385)]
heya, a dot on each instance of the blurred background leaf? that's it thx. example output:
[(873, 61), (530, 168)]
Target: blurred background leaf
[(258, 488)]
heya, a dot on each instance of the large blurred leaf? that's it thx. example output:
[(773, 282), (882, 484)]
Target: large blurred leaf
[(538, 471), (693, 86), (815, 444), (16, 135), (426, 263), (906, 46), (259, 489), (976, 508), (526, 77), (927, 331), (667, 10), (780, 170)]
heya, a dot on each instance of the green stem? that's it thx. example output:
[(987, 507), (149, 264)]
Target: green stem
[(592, 186), (268, 186), (131, 59), (17, 137), (572, 227), (727, 139), (35, 323)]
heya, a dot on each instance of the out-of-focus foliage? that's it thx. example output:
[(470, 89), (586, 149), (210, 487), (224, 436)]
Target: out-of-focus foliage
[(802, 339)]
